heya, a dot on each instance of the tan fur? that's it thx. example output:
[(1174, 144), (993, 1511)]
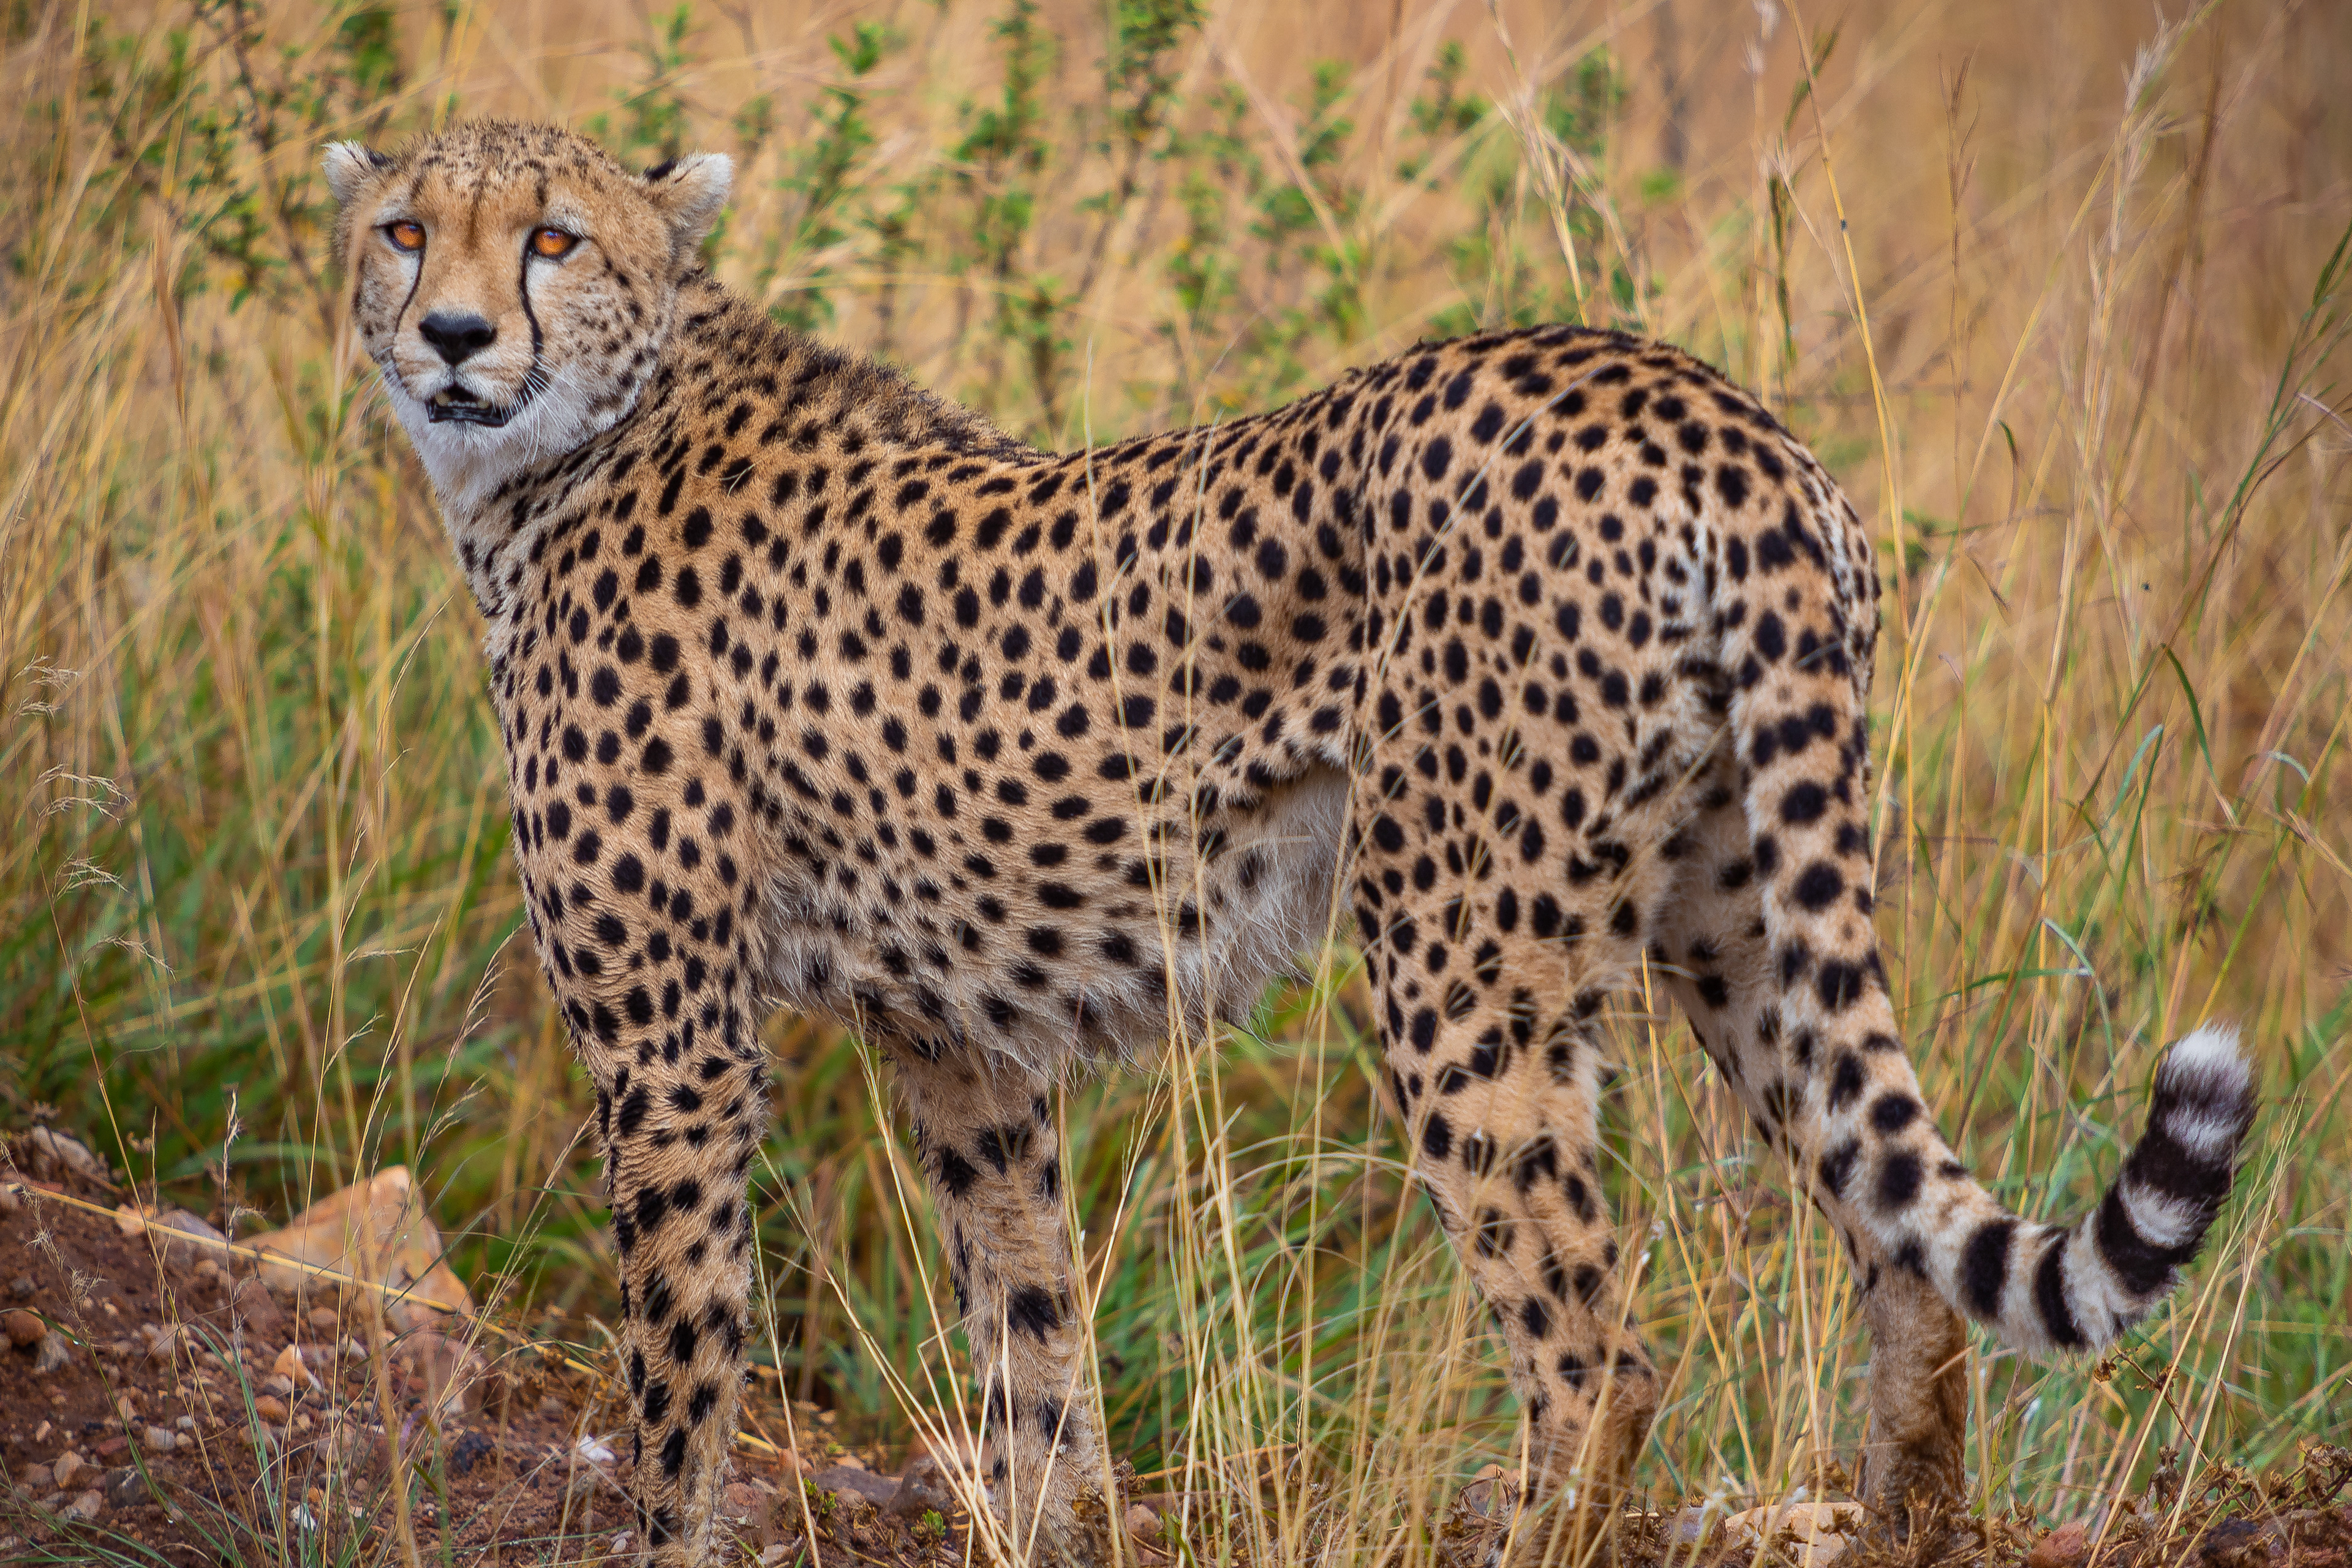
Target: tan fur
[(1549, 646)]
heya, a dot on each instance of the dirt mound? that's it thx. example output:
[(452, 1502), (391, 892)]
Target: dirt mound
[(165, 1395)]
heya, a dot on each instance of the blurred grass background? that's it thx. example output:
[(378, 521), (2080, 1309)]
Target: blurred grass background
[(2059, 292)]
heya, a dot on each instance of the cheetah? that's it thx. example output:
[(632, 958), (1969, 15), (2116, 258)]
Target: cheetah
[(1541, 656)]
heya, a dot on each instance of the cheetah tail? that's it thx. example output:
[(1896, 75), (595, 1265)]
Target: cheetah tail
[(2079, 1287)]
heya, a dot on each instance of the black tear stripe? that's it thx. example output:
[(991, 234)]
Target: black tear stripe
[(530, 380)]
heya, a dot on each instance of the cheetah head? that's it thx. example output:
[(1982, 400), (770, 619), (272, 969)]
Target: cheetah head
[(514, 284)]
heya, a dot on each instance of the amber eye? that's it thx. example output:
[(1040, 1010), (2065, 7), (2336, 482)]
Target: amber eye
[(552, 242), (405, 235)]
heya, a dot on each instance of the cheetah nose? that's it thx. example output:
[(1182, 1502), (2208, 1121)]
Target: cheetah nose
[(457, 337)]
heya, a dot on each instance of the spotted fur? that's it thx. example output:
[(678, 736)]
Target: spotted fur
[(1541, 655)]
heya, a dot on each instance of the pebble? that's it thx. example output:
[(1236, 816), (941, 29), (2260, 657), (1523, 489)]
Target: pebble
[(269, 1407), (252, 1303), (65, 1466), (1141, 1522), (162, 1439), (55, 1352), (25, 1329), (37, 1479), (2062, 1548), (22, 1287), (125, 1487), (87, 1506), (325, 1320), (290, 1366)]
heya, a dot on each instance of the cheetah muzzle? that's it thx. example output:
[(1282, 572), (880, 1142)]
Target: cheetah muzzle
[(1544, 654)]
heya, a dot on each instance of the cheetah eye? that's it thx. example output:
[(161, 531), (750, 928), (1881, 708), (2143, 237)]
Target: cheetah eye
[(405, 235), (552, 242)]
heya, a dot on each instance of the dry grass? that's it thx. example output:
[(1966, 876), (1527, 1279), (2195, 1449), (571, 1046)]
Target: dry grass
[(2058, 291)]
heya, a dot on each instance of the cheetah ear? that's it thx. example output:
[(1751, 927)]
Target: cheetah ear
[(689, 193), (349, 166)]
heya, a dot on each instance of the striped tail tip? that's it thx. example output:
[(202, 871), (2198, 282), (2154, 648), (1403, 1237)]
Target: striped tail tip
[(2102, 1274)]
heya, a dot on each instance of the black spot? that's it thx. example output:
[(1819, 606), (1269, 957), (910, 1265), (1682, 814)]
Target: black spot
[(1893, 1112), (1898, 1180), (1437, 1137), (1031, 1311), (1819, 886)]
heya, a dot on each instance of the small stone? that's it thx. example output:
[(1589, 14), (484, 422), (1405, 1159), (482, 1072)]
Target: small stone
[(278, 1383), (326, 1320), (2063, 1547), (1141, 1522), (66, 1466), (289, 1367), (160, 1439), (448, 1371), (744, 1500), (85, 1508), (922, 1486), (857, 1482), (22, 1287), (113, 1448), (25, 1329), (468, 1450), (129, 1221), (252, 1303), (1490, 1494), (125, 1487), (37, 1479), (271, 1408), (53, 1152), (775, 1552)]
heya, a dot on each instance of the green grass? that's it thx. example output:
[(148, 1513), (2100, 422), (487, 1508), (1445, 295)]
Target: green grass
[(2059, 294)]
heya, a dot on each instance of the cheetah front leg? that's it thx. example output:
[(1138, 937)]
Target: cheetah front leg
[(985, 1138), (1913, 1458), (653, 983)]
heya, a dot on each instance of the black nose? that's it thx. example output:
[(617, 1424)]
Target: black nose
[(456, 338)]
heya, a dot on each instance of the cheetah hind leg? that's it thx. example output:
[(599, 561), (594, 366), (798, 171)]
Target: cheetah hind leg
[(985, 1138), (1504, 1141), (1715, 965)]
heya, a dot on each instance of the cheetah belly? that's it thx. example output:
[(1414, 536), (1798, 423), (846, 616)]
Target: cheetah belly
[(1268, 888), (1270, 894)]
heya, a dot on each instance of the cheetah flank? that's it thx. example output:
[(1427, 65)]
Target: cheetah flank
[(1545, 652)]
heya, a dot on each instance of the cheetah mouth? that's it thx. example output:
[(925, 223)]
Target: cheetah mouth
[(456, 405)]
